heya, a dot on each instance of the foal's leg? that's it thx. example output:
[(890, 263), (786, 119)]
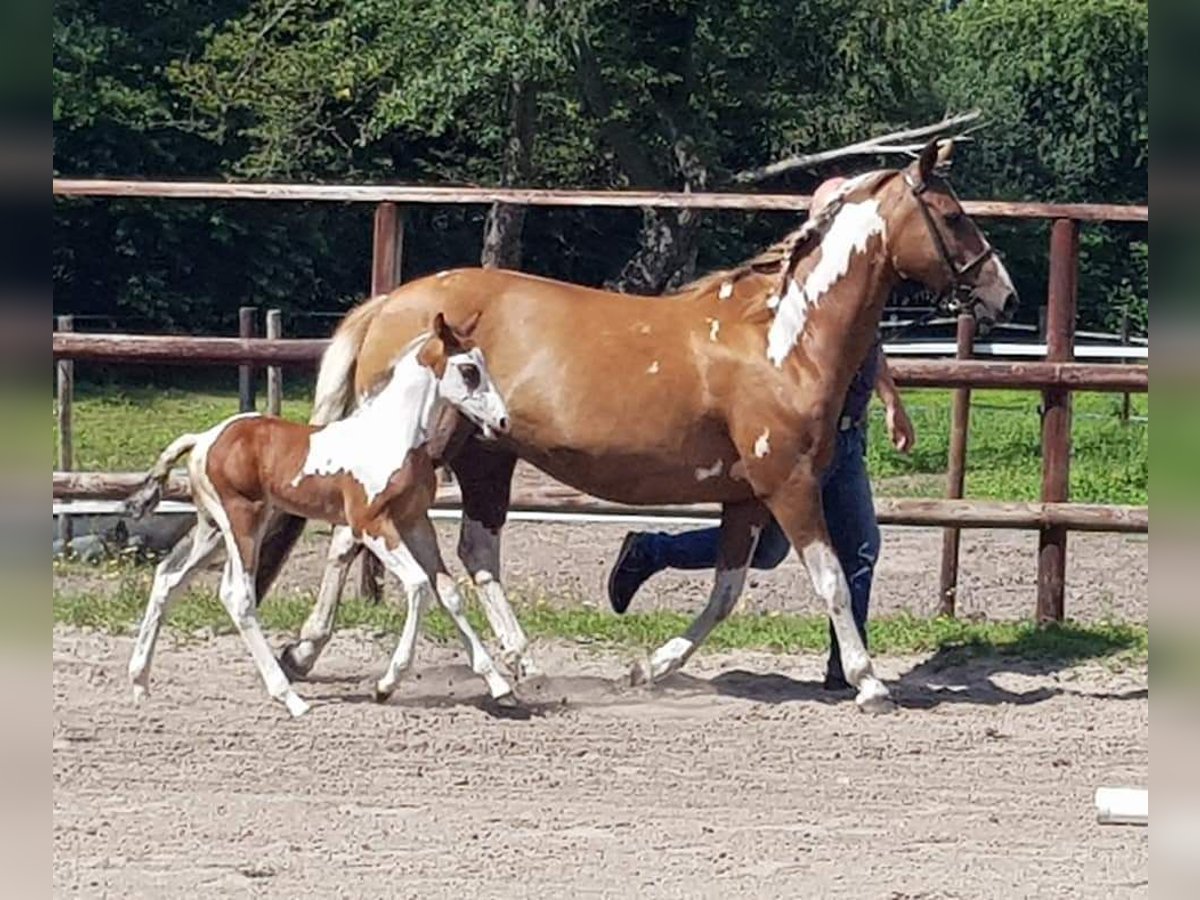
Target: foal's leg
[(797, 507), (171, 576), (237, 594), (299, 656), (400, 562), (485, 479), (421, 539), (741, 526)]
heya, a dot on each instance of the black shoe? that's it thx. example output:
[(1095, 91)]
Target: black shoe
[(836, 681), (628, 574)]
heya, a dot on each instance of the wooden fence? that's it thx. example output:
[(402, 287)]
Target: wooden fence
[(1056, 377)]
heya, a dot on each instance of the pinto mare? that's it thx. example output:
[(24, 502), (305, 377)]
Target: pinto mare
[(727, 392), (372, 472)]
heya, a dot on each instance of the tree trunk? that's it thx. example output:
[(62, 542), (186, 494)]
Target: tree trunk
[(505, 222)]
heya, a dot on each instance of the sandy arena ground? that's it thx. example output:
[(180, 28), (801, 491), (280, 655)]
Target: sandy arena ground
[(740, 777)]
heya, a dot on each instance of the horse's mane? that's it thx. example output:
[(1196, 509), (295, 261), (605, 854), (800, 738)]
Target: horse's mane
[(784, 255)]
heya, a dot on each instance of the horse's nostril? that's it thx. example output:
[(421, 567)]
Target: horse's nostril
[(1010, 306), (503, 423)]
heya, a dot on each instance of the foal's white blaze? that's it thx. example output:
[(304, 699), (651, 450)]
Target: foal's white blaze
[(374, 440), (994, 286), (853, 226), (762, 446), (711, 472)]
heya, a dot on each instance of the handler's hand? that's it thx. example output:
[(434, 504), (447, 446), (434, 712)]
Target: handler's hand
[(899, 426)]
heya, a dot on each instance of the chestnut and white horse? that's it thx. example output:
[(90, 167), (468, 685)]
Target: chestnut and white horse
[(373, 471)]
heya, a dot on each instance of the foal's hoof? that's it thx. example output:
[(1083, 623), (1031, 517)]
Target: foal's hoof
[(639, 674), (874, 698), (295, 704), (383, 694)]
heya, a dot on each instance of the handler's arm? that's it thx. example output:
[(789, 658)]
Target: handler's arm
[(899, 426)]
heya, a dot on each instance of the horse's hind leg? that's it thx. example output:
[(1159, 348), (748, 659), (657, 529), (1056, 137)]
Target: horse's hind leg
[(422, 541), (485, 478), (238, 596), (299, 656), (741, 526), (170, 577)]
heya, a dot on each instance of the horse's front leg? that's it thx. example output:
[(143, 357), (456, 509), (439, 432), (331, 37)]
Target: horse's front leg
[(741, 525), (796, 505), (485, 479), (301, 655)]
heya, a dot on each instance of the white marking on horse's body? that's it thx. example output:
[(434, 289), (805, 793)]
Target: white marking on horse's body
[(712, 471), (852, 227), (762, 446), (644, 328), (372, 443), (653, 369), (773, 302), (442, 274), (714, 328), (726, 290)]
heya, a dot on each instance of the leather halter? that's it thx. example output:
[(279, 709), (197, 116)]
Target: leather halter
[(958, 296)]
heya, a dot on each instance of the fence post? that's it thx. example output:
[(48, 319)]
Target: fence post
[(1125, 398), (65, 383), (246, 385), (387, 258), (960, 415), (274, 373), (1056, 416)]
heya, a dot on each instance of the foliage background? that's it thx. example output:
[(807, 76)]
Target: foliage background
[(559, 93)]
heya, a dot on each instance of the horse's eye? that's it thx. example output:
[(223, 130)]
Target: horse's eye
[(470, 376), (955, 218)]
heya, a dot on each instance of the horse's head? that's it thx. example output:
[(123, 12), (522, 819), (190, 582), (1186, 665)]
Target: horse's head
[(462, 374), (932, 240)]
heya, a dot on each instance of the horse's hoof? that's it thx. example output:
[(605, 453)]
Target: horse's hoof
[(383, 694), (875, 699), (295, 704), (507, 701), (288, 662)]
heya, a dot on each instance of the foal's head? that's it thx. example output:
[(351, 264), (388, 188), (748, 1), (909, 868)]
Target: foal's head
[(932, 240), (462, 375)]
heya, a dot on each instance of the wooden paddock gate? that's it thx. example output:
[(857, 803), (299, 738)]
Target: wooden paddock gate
[(1056, 377)]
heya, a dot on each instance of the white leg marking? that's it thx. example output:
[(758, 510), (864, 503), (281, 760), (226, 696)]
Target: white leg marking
[(829, 581), (302, 655), (171, 576), (237, 594), (422, 541), (401, 563)]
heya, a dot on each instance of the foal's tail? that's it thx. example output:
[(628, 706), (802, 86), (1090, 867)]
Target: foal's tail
[(334, 394), (148, 494)]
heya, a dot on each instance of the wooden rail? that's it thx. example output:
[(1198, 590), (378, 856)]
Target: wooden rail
[(544, 494), (306, 352), (395, 193)]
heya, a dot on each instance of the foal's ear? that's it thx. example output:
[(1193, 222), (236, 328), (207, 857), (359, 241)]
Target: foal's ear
[(467, 328)]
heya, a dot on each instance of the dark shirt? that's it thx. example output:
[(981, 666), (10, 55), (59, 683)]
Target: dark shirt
[(858, 395)]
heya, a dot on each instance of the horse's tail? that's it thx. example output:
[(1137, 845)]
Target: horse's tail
[(148, 494), (335, 381)]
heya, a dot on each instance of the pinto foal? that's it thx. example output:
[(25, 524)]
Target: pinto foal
[(373, 471)]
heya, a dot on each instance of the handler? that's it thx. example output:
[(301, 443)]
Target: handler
[(846, 498)]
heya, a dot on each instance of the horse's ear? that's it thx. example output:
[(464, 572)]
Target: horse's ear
[(927, 160), (442, 330), (945, 154), (467, 328)]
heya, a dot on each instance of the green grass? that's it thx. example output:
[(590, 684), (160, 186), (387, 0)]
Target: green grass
[(119, 610), (124, 429)]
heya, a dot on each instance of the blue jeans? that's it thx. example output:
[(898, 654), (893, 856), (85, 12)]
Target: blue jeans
[(849, 516)]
